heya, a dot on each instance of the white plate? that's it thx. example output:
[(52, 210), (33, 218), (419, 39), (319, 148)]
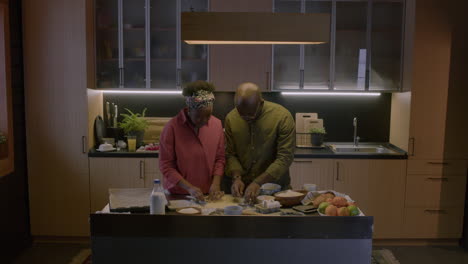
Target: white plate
[(107, 150)]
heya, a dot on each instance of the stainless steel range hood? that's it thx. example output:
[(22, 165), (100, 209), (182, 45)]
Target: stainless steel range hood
[(255, 28)]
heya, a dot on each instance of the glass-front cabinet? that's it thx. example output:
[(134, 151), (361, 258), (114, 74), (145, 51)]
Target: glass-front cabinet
[(138, 45), (364, 52)]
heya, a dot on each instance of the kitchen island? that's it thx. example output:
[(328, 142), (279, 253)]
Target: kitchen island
[(174, 238)]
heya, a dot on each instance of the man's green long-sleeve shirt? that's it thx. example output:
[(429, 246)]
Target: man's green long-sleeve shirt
[(264, 145)]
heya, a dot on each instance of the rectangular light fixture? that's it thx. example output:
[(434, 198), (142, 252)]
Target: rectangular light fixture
[(330, 94), (140, 92), (255, 28)]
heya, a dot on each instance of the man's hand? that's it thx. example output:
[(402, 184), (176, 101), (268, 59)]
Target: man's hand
[(197, 193), (251, 193), (237, 188)]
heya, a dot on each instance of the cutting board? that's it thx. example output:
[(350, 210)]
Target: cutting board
[(304, 122)]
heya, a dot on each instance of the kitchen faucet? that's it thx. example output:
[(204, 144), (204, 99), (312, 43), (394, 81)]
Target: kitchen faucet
[(356, 138)]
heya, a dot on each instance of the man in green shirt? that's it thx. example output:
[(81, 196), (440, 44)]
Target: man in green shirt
[(259, 142)]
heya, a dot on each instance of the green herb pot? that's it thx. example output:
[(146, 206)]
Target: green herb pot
[(316, 139)]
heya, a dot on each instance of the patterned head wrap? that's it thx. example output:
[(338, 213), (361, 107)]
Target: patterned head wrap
[(200, 99)]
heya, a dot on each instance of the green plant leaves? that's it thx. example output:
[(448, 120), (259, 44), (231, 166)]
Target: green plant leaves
[(133, 121)]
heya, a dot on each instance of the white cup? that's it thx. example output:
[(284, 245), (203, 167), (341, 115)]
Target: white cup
[(310, 187)]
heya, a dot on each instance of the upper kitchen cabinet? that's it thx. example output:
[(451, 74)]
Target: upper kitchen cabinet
[(107, 44), (364, 52), (138, 45), (301, 66), (387, 29), (231, 65)]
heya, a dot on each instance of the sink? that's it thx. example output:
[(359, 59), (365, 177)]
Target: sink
[(361, 149)]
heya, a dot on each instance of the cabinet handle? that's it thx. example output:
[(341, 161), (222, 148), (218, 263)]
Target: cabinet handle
[(83, 144), (178, 78), (301, 78), (121, 80), (438, 163), (435, 211), (337, 171), (437, 179), (142, 169), (268, 88), (411, 142)]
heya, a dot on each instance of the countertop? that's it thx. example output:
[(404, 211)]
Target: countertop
[(299, 153)]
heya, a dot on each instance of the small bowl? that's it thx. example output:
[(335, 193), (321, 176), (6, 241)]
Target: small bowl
[(233, 210), (269, 188)]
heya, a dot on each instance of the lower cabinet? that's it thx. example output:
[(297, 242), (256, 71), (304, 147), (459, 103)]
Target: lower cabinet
[(435, 199), (108, 173), (378, 187), (316, 171)]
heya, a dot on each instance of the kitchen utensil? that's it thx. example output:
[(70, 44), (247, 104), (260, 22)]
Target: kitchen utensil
[(108, 114), (290, 201), (233, 210), (116, 114), (99, 130)]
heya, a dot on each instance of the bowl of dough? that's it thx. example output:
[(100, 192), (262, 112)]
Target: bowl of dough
[(290, 198)]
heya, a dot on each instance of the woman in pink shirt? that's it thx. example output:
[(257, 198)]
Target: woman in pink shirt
[(191, 155)]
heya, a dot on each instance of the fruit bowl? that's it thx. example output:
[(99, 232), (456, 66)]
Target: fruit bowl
[(289, 201)]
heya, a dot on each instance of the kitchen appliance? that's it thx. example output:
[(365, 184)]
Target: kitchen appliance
[(305, 122)]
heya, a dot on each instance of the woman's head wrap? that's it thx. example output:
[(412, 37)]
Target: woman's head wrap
[(200, 99)]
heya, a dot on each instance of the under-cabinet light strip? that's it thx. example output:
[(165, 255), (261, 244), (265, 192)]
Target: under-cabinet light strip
[(140, 92), (330, 94)]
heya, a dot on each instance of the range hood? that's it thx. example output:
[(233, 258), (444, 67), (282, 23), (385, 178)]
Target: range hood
[(254, 28)]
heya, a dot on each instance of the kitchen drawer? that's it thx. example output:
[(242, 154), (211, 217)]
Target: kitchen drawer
[(437, 167), (433, 223), (151, 165), (435, 191)]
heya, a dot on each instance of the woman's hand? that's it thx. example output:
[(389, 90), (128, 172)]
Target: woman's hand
[(215, 192), (196, 192)]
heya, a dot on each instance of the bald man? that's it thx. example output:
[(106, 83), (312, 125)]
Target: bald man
[(259, 142)]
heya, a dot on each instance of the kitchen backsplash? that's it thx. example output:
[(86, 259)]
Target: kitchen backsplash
[(373, 113)]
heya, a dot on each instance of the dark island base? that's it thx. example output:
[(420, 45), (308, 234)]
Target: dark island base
[(121, 238)]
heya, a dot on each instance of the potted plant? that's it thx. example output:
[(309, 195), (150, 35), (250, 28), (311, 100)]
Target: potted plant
[(3, 146), (133, 124), (316, 136)]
